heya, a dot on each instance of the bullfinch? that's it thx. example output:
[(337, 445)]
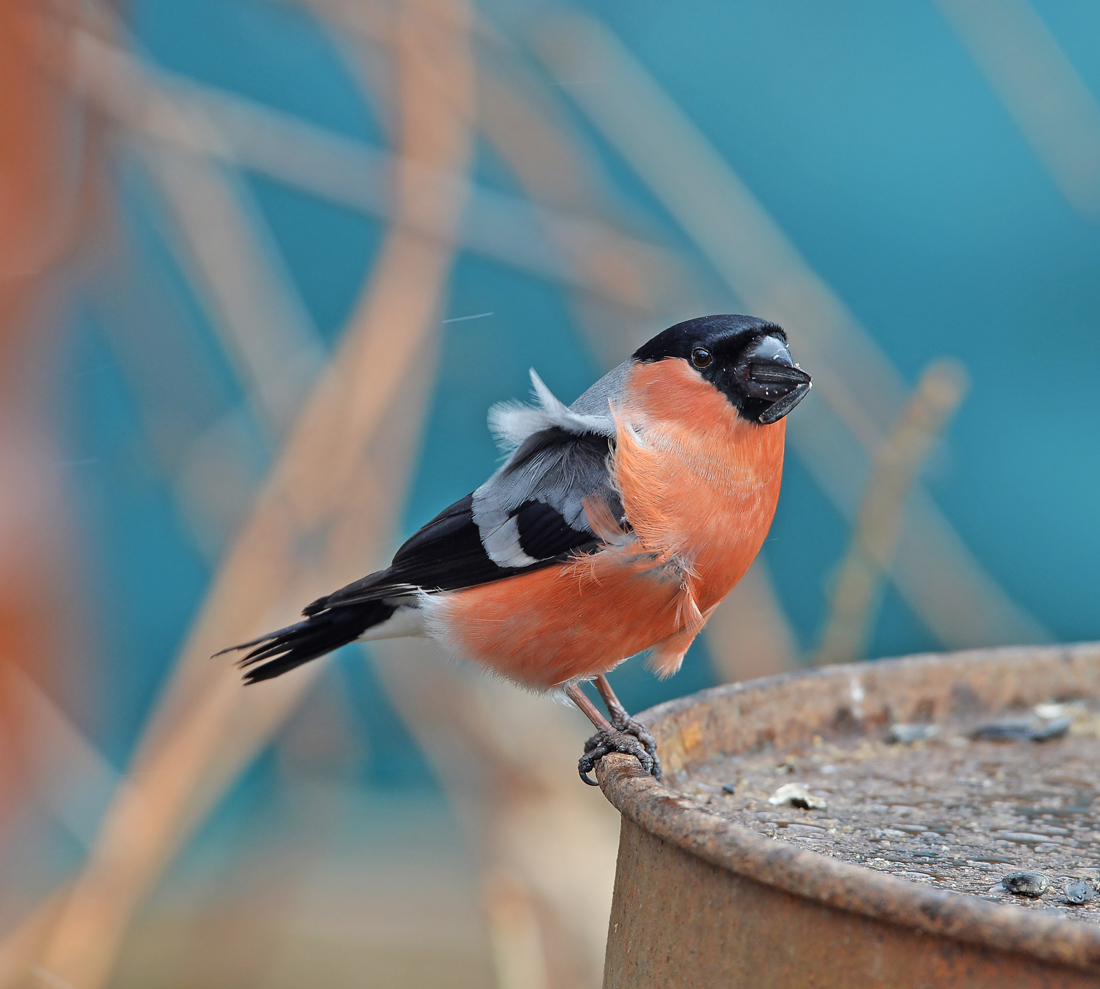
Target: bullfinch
[(615, 526)]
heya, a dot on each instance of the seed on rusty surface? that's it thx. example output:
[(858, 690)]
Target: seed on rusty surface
[(1080, 891), (904, 734), (1032, 884), (1054, 728), (1003, 731), (1021, 731), (796, 795)]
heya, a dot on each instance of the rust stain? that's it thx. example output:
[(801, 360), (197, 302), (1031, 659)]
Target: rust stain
[(691, 736)]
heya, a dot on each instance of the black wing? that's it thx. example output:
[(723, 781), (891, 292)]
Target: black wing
[(540, 490), (529, 514)]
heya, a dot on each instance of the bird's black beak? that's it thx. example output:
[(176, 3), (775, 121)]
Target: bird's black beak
[(769, 374)]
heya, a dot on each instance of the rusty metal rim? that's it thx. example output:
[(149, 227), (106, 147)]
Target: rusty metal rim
[(825, 880)]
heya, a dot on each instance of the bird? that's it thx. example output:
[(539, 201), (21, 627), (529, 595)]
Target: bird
[(614, 526)]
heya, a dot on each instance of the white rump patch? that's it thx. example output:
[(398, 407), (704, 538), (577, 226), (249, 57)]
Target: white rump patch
[(406, 620), (512, 422)]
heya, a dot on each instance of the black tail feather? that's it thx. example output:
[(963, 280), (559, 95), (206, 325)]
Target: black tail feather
[(282, 650)]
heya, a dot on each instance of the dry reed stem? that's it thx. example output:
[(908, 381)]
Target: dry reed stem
[(515, 937), (207, 726), (23, 944), (223, 241), (239, 132), (602, 256), (65, 773), (857, 589), (1039, 86), (42, 180), (748, 636)]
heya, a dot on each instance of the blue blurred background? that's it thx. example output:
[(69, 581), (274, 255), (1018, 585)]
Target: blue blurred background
[(907, 183)]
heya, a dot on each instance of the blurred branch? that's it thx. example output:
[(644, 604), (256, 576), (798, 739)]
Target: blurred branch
[(860, 387), (23, 944), (66, 772), (207, 727), (245, 134), (854, 601), (237, 270), (1039, 86), (748, 636), (213, 458), (44, 168), (547, 158), (515, 939), (44, 177)]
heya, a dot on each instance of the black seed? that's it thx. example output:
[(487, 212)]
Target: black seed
[(1033, 884), (1080, 891), (1021, 731)]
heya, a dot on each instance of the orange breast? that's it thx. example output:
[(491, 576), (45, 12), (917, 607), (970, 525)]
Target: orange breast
[(697, 480), (699, 486)]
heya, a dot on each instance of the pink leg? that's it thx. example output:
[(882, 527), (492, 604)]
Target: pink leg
[(614, 705), (588, 709)]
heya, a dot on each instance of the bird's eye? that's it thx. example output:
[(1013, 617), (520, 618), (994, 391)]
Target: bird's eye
[(701, 357)]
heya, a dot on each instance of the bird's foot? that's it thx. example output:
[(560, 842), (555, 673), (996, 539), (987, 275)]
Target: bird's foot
[(624, 735)]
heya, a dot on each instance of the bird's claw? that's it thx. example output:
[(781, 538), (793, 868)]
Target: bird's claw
[(627, 736)]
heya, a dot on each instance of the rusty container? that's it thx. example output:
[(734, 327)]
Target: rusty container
[(702, 902)]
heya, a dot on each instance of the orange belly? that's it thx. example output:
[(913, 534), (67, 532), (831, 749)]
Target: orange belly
[(566, 622), (699, 486)]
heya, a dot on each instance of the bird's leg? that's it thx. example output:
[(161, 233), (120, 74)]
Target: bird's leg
[(624, 722), (625, 736), (615, 708)]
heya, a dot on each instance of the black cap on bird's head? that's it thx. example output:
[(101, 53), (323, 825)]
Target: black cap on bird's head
[(744, 357)]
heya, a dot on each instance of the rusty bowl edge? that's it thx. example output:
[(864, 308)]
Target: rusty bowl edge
[(962, 917)]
